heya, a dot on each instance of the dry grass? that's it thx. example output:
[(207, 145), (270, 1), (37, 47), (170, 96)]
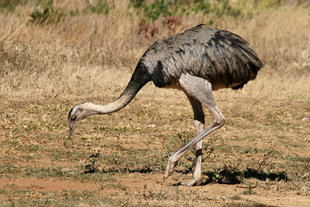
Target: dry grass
[(78, 50), (47, 69)]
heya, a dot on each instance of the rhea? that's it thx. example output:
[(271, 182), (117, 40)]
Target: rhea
[(197, 61)]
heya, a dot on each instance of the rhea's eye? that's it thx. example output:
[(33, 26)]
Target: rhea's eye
[(73, 118)]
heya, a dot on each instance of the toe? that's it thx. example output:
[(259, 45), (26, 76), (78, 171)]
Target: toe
[(193, 182), (169, 169)]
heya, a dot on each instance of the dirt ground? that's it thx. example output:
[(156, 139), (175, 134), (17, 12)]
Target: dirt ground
[(259, 158), (212, 194)]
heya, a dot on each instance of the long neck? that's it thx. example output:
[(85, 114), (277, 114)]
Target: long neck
[(139, 78)]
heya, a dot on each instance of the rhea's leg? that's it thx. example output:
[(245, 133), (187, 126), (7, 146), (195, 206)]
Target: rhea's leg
[(201, 90), (199, 122)]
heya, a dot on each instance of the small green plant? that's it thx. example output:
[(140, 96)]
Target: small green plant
[(136, 3), (100, 7), (225, 8), (236, 197), (157, 8), (249, 192), (113, 185), (166, 8), (10, 5), (74, 12), (7, 5), (47, 15)]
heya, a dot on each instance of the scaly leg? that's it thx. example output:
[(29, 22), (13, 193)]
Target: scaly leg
[(199, 122), (201, 90)]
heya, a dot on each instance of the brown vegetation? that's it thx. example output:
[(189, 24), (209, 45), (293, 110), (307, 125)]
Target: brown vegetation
[(47, 68)]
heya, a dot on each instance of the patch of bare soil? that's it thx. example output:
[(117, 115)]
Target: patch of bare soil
[(45, 185), (139, 184), (222, 193)]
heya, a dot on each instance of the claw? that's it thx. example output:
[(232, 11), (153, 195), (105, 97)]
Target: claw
[(193, 182), (66, 144), (169, 169), (164, 179)]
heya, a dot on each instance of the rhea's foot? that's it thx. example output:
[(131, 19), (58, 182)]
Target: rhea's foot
[(193, 182), (169, 169)]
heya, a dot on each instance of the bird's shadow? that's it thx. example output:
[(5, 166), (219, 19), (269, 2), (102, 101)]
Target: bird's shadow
[(232, 176), (224, 175), (220, 176)]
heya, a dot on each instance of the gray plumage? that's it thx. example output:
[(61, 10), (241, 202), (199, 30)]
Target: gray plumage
[(218, 56), (196, 61)]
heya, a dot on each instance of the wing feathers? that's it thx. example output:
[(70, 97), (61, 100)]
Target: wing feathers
[(216, 55)]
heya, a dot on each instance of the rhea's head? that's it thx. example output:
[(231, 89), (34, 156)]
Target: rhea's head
[(76, 114)]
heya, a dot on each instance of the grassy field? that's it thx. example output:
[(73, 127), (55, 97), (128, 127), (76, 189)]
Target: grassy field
[(87, 51)]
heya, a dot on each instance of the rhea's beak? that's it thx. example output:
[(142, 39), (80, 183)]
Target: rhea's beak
[(71, 129)]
